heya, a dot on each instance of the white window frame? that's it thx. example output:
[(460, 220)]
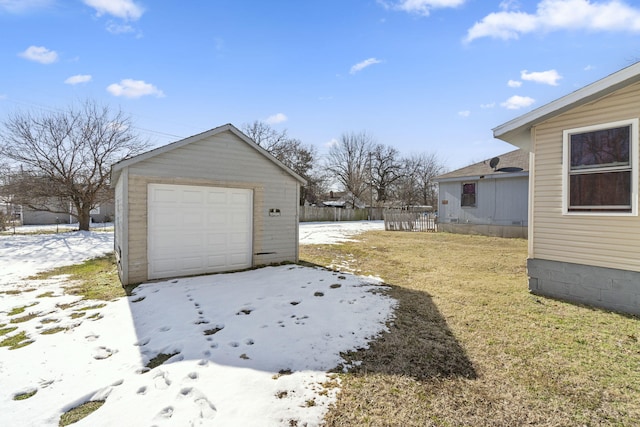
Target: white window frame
[(633, 159)]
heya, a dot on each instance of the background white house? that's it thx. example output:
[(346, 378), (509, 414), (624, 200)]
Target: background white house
[(488, 197)]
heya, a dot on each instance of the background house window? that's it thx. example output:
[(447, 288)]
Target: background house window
[(599, 168), (468, 194)]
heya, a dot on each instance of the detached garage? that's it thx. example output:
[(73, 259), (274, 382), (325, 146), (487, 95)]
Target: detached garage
[(209, 203)]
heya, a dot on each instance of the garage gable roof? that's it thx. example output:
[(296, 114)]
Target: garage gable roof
[(518, 131), (117, 167)]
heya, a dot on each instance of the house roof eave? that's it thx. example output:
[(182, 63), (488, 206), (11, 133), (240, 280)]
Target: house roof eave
[(518, 131), (485, 177)]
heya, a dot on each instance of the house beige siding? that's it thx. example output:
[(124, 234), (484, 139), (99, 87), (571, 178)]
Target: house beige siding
[(587, 239), (221, 160)]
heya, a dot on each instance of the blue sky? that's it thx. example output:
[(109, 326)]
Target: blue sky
[(419, 75)]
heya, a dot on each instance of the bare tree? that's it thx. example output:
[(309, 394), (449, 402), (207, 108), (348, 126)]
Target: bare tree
[(292, 152), (267, 137), (417, 186), (63, 158), (348, 161), (385, 170)]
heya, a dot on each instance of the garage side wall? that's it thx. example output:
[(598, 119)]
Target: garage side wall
[(222, 160), (120, 245)]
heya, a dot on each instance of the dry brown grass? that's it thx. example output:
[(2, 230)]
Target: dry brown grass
[(471, 347)]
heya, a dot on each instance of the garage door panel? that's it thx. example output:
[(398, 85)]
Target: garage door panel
[(237, 260), (193, 263), (164, 266), (192, 197), (216, 197), (193, 220), (162, 219), (217, 241), (239, 240), (165, 195), (198, 229), (217, 219)]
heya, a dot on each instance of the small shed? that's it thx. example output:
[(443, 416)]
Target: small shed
[(209, 203), (488, 198), (584, 223)]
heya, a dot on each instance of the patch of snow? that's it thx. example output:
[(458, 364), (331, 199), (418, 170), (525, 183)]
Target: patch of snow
[(251, 348), (314, 233)]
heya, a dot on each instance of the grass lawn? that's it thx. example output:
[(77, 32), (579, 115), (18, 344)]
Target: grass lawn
[(471, 347)]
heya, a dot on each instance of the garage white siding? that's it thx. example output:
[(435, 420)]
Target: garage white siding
[(198, 229)]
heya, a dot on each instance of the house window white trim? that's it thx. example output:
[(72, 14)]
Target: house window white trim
[(633, 167)]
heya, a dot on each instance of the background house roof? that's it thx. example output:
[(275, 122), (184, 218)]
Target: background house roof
[(518, 130), (117, 167), (517, 159)]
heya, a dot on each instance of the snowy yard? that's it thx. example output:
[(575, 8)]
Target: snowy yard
[(250, 348)]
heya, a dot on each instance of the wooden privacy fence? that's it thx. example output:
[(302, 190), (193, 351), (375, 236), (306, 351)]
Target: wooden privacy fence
[(410, 221), (315, 213)]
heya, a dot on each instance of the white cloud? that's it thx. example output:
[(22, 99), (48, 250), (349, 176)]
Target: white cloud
[(331, 143), (589, 68), (115, 28), (134, 89), (464, 113), (79, 78), (514, 83), (22, 6), (124, 9), (40, 54), (509, 4), (556, 15), (549, 77), (486, 106), (420, 7), (364, 64), (276, 118), (516, 102)]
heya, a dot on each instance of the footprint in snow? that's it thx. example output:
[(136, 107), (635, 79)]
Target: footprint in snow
[(142, 391), (161, 380), (165, 412), (103, 353), (165, 329), (92, 337), (206, 410), (142, 342)]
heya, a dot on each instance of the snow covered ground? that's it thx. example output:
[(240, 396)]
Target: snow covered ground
[(334, 232), (249, 348)]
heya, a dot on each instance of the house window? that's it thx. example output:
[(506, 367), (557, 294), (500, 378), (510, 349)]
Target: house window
[(469, 195), (600, 170)]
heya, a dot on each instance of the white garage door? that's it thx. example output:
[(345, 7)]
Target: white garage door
[(198, 229)]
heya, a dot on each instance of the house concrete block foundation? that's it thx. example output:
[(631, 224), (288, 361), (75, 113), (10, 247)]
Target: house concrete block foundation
[(608, 288), (507, 231)]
